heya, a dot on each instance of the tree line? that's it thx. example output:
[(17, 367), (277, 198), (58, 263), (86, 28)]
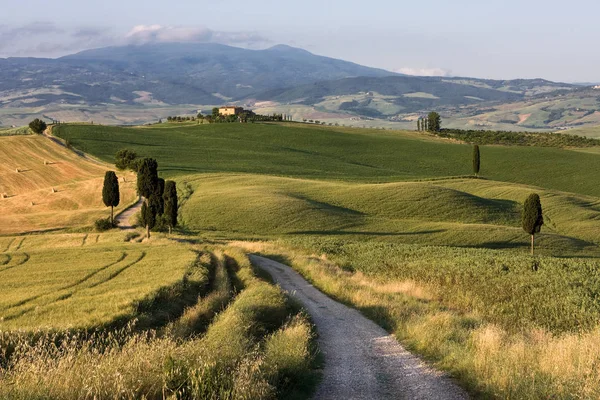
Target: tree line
[(160, 206)]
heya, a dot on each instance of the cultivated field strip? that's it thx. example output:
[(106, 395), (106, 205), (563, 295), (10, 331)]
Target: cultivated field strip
[(69, 286)]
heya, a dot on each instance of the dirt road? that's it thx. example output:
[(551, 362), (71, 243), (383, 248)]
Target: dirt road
[(362, 361), (124, 219)]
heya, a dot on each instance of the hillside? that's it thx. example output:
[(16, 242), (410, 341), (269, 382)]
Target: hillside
[(173, 73), (54, 188), (295, 179)]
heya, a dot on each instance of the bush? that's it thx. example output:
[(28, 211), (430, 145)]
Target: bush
[(126, 159), (37, 125), (132, 235), (104, 224)]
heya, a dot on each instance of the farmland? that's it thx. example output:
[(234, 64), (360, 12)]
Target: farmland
[(53, 188), (390, 222)]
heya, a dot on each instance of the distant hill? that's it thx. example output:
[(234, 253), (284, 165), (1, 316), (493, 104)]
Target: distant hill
[(171, 73), (386, 96)]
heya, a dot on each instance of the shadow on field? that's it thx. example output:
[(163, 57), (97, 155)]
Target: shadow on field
[(366, 233)]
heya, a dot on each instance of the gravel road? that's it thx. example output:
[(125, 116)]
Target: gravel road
[(124, 218), (362, 361)]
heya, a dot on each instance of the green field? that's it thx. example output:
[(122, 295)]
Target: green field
[(311, 152), (390, 222), (82, 280)]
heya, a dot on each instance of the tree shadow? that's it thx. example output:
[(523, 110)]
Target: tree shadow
[(367, 233)]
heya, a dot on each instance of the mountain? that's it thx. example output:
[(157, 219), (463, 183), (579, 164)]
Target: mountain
[(172, 73), (379, 97)]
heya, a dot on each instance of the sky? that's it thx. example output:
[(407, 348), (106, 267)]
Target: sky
[(503, 39)]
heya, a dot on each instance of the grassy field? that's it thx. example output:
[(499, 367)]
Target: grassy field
[(53, 188), (312, 152), (389, 222), (258, 347), (64, 281)]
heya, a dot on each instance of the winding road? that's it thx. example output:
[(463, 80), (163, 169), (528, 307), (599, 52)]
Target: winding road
[(362, 361), (124, 218)]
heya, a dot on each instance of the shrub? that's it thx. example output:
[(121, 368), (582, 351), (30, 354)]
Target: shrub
[(103, 224), (37, 125), (131, 235)]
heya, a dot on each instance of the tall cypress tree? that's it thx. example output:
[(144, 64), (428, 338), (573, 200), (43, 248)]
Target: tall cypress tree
[(532, 217), (171, 204), (158, 197), (476, 160), (110, 193), (147, 185)]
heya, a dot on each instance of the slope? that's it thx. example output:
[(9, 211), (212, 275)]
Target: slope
[(46, 186)]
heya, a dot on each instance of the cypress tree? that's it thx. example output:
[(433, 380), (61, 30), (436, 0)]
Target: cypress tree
[(147, 185), (158, 198), (170, 199), (149, 216), (419, 125), (110, 193), (147, 177), (476, 160), (532, 217)]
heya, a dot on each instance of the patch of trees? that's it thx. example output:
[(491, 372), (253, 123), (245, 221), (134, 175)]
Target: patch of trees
[(157, 200), (431, 123), (126, 159), (37, 126), (482, 137)]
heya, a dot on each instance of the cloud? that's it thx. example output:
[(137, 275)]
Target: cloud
[(424, 71), (141, 34), (46, 39)]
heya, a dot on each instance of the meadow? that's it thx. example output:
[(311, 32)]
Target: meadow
[(390, 222), (255, 344), (326, 153)]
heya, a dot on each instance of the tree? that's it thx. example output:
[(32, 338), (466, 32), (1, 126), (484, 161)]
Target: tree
[(38, 126), (419, 125), (532, 217), (434, 122), (125, 159), (171, 206), (147, 186), (476, 160), (148, 216), (159, 202), (110, 193), (215, 113)]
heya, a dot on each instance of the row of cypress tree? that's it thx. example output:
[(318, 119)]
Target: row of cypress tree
[(160, 196)]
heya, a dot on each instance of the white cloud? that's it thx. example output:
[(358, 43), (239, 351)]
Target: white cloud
[(424, 71), (160, 34)]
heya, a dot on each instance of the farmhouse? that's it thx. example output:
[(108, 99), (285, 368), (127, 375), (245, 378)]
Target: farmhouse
[(231, 110)]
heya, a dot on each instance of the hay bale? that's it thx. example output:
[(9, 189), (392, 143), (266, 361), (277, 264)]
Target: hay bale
[(32, 204), (53, 190), (17, 169)]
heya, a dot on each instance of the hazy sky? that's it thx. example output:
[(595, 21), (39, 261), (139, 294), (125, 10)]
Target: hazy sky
[(500, 39)]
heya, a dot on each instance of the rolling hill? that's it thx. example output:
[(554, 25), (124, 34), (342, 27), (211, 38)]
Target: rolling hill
[(172, 73), (53, 188)]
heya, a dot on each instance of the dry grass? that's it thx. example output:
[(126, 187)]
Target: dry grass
[(54, 188), (489, 360)]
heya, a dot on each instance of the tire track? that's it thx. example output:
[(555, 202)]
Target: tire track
[(9, 244), (66, 296), (6, 260), (118, 272), (23, 261), (69, 286), (20, 244)]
